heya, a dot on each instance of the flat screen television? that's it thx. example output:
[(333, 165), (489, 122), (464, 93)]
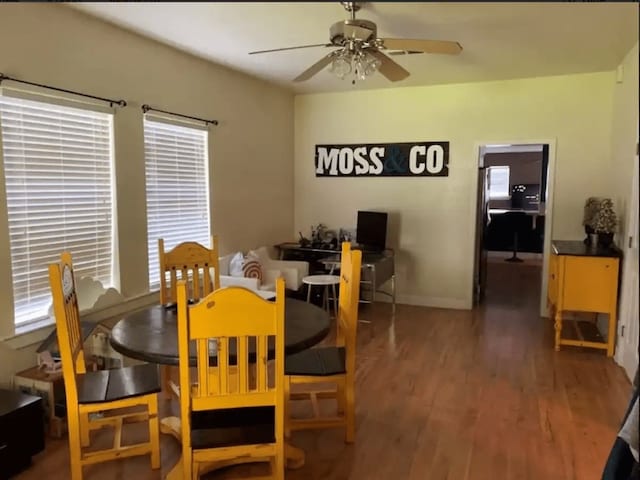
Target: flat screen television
[(371, 231)]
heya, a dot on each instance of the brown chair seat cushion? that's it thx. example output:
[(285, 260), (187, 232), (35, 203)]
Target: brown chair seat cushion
[(316, 362), (119, 383), (232, 426)]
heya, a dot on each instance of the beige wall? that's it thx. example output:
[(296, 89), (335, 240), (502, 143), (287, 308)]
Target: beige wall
[(432, 219), (251, 151)]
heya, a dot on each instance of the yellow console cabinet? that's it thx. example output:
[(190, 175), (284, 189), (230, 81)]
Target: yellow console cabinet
[(583, 279)]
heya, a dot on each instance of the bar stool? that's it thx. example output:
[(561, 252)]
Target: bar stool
[(325, 281), (520, 224)]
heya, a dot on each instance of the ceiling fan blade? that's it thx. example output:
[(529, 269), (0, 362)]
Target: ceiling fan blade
[(403, 52), (388, 67), (426, 46), (290, 48), (315, 68)]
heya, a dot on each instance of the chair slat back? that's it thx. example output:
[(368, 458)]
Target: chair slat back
[(231, 320), (191, 262), (350, 269), (68, 329)]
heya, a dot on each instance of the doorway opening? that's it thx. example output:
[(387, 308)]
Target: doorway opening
[(512, 223)]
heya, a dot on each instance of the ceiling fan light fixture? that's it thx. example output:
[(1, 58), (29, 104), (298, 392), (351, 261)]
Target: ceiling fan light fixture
[(359, 51), (354, 60), (363, 67), (341, 65), (373, 64)]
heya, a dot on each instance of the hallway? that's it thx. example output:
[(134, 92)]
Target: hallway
[(514, 284)]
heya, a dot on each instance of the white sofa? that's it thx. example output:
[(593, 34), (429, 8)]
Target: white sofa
[(228, 280), (292, 271)]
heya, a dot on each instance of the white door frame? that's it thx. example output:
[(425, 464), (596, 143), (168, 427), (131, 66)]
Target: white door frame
[(627, 341), (548, 219)]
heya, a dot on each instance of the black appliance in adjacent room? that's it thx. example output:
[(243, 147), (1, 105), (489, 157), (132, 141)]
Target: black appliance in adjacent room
[(525, 197)]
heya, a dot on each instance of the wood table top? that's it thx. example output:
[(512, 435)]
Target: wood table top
[(151, 334)]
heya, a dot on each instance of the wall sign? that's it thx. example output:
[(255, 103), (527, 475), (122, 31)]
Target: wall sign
[(411, 159)]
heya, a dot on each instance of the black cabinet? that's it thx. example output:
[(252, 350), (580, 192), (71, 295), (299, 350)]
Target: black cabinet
[(21, 431)]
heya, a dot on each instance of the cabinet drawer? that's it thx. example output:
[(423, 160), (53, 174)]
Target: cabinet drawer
[(4, 448), (5, 431), (5, 457), (21, 436), (12, 460), (589, 283)]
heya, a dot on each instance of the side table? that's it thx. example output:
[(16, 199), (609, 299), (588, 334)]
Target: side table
[(583, 279), (325, 281), (21, 431)]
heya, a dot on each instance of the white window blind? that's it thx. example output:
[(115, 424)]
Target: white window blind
[(177, 183), (58, 172), (499, 183)]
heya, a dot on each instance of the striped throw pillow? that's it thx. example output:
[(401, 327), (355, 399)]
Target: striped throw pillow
[(252, 269)]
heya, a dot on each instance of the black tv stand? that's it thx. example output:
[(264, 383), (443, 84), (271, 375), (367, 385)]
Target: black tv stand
[(312, 252), (369, 250)]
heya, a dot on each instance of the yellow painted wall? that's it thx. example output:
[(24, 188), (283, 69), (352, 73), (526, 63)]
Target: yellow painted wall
[(432, 219), (251, 152)]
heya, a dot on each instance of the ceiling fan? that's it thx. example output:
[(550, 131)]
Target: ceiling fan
[(360, 51)]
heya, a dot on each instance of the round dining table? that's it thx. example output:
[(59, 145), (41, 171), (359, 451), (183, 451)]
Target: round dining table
[(151, 335)]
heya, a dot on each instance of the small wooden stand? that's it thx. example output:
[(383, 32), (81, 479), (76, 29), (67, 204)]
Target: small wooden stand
[(583, 279), (49, 387)]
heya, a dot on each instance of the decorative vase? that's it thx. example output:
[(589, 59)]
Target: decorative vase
[(605, 239), (588, 230)]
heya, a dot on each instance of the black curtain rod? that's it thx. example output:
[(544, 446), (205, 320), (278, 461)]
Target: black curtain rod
[(110, 101), (146, 108)]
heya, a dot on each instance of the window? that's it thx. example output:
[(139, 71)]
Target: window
[(58, 173), (176, 166), (499, 183)]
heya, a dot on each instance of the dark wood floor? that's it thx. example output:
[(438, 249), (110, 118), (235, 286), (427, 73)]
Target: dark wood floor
[(445, 394)]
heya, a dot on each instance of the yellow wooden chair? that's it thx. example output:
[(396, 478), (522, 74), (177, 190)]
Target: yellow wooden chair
[(235, 410), (101, 391), (334, 364), (191, 262)]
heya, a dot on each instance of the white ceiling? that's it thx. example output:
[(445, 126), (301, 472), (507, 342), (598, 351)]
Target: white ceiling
[(500, 40)]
